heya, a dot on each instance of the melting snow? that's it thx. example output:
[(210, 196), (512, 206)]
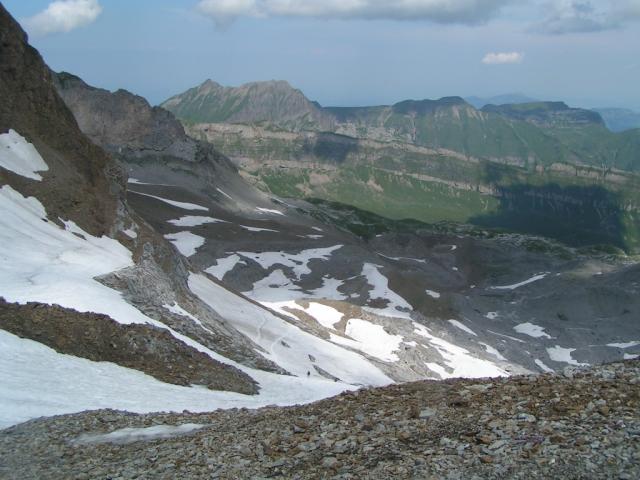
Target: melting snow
[(297, 261), (224, 265), (183, 205), (186, 242), (381, 291), (130, 232), (371, 339), (195, 221), (492, 315), (269, 332), (30, 386), (462, 327), (419, 260), (493, 351), (535, 331), (433, 294), (535, 278), (269, 210), (223, 193), (459, 360), (256, 229), (624, 345), (560, 354), (132, 434), (542, 366), (20, 156), (324, 315)]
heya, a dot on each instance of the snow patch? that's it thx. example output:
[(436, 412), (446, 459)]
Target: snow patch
[(225, 194), (125, 436), (492, 315), (256, 229), (20, 156), (396, 305), (560, 354), (624, 345), (433, 294), (325, 315), (462, 327), (535, 278), (542, 366), (371, 339), (269, 210), (173, 203), (297, 261), (194, 221), (492, 351), (284, 343), (224, 266), (535, 331), (187, 243)]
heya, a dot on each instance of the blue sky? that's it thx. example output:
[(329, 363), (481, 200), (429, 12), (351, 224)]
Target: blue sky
[(349, 52)]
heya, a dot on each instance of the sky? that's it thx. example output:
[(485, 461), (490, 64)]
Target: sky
[(348, 52)]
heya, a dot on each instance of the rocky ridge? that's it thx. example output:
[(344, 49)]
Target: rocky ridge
[(580, 423), (141, 347)]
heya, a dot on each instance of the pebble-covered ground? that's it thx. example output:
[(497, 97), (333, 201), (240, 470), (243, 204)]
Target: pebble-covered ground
[(581, 423)]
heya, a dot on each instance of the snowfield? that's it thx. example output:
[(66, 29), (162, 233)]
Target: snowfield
[(46, 263)]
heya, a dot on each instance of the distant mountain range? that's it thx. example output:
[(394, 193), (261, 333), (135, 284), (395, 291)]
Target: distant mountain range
[(619, 119), (536, 167), (480, 102), (528, 134)]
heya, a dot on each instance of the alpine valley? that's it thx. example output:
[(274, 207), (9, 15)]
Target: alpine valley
[(421, 290)]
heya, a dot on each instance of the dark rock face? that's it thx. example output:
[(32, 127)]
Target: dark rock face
[(120, 118), (142, 347), (83, 184)]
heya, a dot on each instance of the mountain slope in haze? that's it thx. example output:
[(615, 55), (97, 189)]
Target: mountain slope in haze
[(619, 119), (480, 102)]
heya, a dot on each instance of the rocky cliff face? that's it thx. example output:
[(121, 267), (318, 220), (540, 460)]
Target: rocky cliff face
[(83, 183)]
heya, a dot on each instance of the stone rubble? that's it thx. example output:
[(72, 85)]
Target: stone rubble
[(579, 423)]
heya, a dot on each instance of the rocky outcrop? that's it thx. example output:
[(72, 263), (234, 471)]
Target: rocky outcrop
[(577, 424), (151, 350)]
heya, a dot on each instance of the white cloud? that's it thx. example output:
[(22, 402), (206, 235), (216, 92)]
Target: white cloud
[(577, 16), (63, 16), (502, 57), (441, 11)]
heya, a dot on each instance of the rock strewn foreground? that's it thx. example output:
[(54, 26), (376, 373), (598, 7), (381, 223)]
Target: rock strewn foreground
[(578, 424)]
